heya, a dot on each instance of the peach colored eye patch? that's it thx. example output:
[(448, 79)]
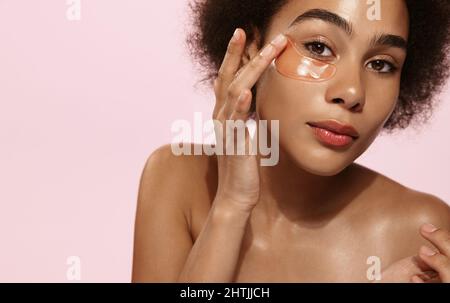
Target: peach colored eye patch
[(292, 64)]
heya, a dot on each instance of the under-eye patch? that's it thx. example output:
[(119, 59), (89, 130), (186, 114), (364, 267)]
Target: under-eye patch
[(292, 64)]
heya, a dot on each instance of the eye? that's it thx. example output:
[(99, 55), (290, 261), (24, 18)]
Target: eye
[(319, 49), (382, 66)]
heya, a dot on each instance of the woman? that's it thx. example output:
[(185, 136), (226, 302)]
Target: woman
[(315, 215)]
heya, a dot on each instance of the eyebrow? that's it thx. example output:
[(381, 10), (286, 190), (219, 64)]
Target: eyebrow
[(326, 16), (347, 27), (389, 40)]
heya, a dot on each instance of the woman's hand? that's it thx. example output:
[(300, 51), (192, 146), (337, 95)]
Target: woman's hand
[(239, 174), (439, 259), (403, 270)]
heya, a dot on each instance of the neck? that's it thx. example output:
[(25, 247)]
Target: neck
[(290, 194)]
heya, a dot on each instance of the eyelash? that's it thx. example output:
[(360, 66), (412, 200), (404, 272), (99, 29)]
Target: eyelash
[(315, 42), (392, 67), (307, 45)]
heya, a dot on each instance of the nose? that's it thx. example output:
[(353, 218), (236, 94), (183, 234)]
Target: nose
[(347, 88)]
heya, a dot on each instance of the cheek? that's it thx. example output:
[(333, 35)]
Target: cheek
[(291, 102), (288, 100), (381, 99)]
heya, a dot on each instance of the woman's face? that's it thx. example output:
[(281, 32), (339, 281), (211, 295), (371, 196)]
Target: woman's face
[(368, 56)]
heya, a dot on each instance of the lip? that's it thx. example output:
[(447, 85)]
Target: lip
[(337, 127), (334, 133)]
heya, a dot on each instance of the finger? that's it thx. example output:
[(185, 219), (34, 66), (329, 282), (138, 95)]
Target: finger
[(417, 265), (436, 279), (242, 106), (230, 64), (438, 237), (242, 113), (437, 261), (236, 129), (250, 74), (417, 279), (428, 275)]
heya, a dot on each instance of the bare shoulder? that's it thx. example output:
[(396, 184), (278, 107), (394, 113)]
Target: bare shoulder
[(163, 237), (426, 208), (399, 199), (413, 210), (398, 211), (166, 161), (184, 179)]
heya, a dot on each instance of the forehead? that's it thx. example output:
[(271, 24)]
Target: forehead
[(393, 15)]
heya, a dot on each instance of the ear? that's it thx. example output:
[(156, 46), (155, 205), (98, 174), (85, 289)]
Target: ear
[(251, 49)]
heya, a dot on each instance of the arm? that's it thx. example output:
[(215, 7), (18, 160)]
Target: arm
[(163, 248), (161, 238), (215, 253)]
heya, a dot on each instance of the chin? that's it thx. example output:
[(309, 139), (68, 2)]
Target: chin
[(319, 160), (325, 169)]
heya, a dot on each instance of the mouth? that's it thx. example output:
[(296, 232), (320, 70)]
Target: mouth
[(334, 133)]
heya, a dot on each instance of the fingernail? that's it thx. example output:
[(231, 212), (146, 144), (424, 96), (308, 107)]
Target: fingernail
[(427, 251), (267, 51), (416, 279), (429, 228), (279, 40), (236, 35)]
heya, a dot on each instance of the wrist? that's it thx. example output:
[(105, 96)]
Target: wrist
[(227, 210)]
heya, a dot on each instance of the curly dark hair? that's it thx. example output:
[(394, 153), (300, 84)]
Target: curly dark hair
[(423, 76)]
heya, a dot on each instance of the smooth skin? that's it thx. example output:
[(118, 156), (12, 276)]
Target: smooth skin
[(317, 215)]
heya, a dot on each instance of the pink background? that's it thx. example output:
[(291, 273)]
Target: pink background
[(83, 104)]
